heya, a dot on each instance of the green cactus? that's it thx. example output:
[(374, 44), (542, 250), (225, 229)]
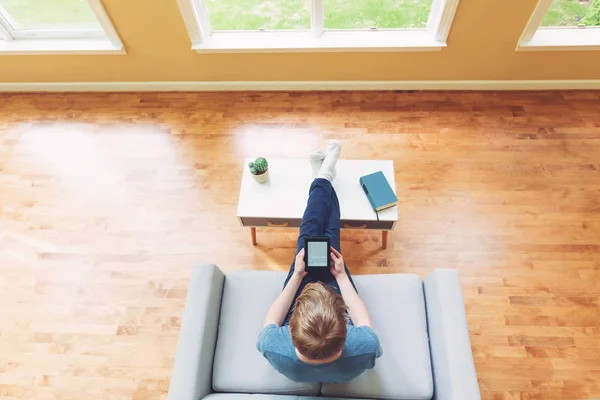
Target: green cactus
[(259, 166)]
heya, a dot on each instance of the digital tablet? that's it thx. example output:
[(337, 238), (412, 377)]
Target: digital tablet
[(316, 252)]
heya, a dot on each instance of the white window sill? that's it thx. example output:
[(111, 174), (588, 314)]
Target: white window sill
[(330, 41), (563, 39), (59, 46)]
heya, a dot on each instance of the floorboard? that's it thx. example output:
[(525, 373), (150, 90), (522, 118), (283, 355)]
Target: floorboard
[(107, 201)]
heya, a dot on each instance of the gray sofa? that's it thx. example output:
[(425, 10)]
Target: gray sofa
[(421, 326)]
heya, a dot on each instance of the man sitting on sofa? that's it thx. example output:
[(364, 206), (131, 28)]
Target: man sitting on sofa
[(307, 335)]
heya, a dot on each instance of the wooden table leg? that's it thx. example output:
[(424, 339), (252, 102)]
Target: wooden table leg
[(384, 235), (253, 235)]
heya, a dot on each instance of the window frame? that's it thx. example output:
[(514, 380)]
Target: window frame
[(103, 40), (540, 38), (317, 38)]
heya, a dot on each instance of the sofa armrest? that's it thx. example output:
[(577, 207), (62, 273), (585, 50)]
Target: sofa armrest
[(192, 371), (452, 360)]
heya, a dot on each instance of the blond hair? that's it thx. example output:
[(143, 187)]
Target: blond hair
[(318, 323)]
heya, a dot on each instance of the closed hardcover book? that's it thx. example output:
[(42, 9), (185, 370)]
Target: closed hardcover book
[(378, 191)]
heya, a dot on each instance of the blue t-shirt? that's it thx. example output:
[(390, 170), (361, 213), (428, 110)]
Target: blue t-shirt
[(360, 351)]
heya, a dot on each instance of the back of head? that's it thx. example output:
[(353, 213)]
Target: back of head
[(318, 323)]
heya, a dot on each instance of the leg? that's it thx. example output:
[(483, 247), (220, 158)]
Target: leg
[(333, 232), (253, 235), (316, 214), (313, 223), (384, 235), (318, 208)]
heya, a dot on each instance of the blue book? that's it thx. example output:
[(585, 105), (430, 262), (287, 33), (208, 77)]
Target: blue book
[(378, 191)]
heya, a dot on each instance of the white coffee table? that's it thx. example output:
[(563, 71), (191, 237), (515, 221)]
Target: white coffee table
[(281, 201)]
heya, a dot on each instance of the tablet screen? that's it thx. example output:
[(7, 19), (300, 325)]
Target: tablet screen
[(318, 253)]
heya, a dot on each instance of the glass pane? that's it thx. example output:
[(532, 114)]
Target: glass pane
[(573, 13), (361, 14), (258, 14), (50, 14)]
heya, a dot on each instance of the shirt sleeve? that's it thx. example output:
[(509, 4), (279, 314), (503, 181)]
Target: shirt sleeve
[(262, 344), (370, 333)]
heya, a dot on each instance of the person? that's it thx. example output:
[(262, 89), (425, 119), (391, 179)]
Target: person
[(307, 335)]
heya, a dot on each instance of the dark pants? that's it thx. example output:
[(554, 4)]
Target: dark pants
[(321, 218)]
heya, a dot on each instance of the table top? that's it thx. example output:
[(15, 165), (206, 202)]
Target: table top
[(285, 194)]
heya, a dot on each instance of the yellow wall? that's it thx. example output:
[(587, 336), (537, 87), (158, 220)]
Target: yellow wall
[(481, 45)]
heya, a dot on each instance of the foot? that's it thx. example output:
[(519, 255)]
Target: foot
[(316, 159), (332, 153)]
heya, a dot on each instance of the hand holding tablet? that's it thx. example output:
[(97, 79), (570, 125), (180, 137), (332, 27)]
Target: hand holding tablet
[(338, 268)]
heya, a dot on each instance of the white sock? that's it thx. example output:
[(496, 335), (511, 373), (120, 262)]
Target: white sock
[(332, 154), (316, 159)]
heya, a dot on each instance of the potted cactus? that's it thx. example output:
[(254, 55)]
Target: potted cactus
[(260, 169)]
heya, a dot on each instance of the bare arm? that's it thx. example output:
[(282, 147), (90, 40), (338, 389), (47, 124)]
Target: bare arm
[(282, 303), (356, 307)]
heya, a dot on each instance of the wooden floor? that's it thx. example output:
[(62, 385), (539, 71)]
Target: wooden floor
[(108, 200)]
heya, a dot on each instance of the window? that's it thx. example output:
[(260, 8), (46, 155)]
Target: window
[(56, 26), (318, 25), (253, 15), (563, 25), (384, 14)]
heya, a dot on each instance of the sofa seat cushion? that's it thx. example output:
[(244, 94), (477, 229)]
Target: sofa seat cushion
[(397, 307), (240, 396), (238, 365)]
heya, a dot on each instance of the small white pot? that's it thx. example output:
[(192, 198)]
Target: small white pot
[(262, 178)]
